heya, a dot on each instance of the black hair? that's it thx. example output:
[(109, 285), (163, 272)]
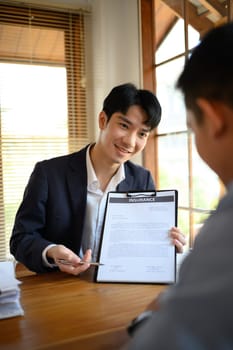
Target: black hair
[(208, 73), (126, 95)]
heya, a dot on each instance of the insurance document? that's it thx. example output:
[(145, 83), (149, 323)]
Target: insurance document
[(135, 245)]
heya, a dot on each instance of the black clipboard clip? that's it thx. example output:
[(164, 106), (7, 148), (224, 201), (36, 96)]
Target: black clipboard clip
[(141, 194)]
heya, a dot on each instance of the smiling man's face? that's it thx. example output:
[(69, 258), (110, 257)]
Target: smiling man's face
[(123, 135)]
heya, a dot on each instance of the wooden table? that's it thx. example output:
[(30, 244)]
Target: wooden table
[(64, 312)]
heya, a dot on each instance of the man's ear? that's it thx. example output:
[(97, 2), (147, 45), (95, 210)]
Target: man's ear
[(214, 115), (102, 120)]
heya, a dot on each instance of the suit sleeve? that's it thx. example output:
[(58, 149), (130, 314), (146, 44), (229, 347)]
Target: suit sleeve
[(27, 242)]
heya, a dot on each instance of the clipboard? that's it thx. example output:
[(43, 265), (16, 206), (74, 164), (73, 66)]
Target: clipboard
[(135, 245)]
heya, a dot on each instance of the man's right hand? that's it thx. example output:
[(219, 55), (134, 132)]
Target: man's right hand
[(68, 261)]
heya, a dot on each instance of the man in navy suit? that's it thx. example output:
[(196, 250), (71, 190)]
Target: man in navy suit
[(61, 215)]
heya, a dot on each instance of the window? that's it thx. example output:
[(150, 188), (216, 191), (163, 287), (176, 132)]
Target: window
[(174, 27), (43, 98)]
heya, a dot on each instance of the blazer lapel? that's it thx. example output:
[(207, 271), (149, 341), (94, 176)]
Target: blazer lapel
[(126, 184), (77, 180)]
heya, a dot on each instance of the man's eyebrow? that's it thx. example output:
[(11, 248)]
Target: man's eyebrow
[(125, 119)]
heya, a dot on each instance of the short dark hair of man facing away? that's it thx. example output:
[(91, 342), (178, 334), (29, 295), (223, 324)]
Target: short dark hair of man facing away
[(122, 97), (209, 71)]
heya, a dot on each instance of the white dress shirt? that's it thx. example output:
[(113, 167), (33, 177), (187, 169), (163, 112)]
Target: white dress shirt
[(96, 202)]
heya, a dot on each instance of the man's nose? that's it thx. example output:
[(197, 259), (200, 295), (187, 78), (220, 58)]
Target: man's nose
[(130, 139)]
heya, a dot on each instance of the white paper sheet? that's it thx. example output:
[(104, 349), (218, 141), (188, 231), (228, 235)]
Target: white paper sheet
[(135, 243), (9, 291)]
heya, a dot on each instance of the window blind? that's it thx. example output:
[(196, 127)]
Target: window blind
[(42, 96)]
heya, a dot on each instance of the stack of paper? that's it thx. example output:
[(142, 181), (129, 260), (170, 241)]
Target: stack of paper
[(9, 291)]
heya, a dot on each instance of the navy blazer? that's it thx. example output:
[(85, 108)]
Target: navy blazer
[(54, 203)]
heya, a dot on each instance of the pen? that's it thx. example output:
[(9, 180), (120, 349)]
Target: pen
[(65, 262)]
